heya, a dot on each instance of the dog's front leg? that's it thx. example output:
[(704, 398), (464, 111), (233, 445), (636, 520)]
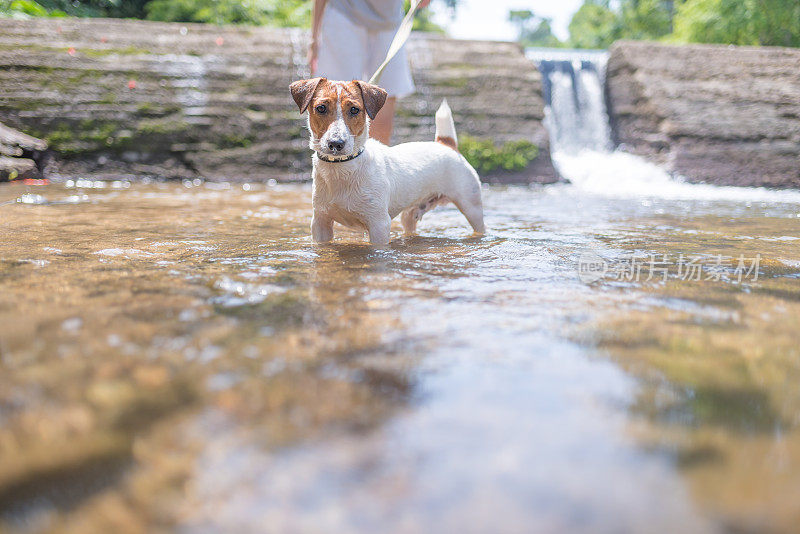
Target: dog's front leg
[(379, 230), (321, 227)]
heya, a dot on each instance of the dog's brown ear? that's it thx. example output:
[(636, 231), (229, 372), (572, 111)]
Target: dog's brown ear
[(374, 97), (303, 91)]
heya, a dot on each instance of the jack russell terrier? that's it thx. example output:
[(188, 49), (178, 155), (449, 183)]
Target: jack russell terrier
[(364, 184)]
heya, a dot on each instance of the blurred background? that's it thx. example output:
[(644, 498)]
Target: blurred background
[(571, 23), (113, 92)]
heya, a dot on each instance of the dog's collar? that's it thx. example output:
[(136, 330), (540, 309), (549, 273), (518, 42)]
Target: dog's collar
[(339, 159)]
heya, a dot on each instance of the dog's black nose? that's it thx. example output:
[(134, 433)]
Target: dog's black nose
[(336, 145)]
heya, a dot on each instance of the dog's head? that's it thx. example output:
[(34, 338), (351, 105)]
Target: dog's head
[(338, 113)]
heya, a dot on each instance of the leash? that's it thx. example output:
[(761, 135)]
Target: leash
[(400, 38)]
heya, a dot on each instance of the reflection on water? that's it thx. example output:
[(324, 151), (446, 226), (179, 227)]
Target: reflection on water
[(182, 356)]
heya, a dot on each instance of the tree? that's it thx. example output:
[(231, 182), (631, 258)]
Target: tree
[(260, 12), (742, 22), (594, 25), (713, 21), (597, 24), (778, 22), (423, 21), (97, 8), (646, 19), (533, 30)]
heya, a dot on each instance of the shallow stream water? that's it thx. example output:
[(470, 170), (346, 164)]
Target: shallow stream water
[(182, 356)]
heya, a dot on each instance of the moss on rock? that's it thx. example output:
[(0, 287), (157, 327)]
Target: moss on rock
[(486, 156)]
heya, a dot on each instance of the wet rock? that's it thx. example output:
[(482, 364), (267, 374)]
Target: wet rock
[(716, 114), (16, 152), (15, 143), (17, 168), (188, 105)]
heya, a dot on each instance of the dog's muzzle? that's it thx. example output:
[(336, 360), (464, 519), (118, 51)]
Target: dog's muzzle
[(336, 145)]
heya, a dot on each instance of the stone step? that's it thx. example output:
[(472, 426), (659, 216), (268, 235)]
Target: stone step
[(717, 114), (215, 100)]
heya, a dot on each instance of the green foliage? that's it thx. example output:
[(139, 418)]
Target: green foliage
[(87, 136), (28, 7), (533, 30), (778, 23), (485, 156), (285, 13), (24, 9), (645, 19), (75, 8), (742, 22), (257, 12), (594, 25), (713, 21), (162, 126), (422, 20), (96, 8), (597, 25)]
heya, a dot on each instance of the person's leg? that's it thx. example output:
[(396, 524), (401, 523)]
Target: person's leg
[(381, 127)]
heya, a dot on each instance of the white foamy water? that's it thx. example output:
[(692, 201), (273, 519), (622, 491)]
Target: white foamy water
[(124, 252), (619, 174)]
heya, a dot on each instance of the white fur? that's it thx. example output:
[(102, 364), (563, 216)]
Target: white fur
[(445, 127), (372, 189)]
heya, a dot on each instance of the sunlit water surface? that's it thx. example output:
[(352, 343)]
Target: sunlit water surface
[(183, 356)]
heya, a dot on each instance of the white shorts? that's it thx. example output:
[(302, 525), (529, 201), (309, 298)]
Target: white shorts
[(348, 51)]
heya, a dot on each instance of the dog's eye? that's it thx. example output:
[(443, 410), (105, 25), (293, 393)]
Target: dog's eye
[(354, 110), (322, 108)]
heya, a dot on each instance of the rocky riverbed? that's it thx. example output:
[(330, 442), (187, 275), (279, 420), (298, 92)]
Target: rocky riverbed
[(180, 357)]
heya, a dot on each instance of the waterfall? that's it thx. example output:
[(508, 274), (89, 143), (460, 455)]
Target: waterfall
[(573, 86)]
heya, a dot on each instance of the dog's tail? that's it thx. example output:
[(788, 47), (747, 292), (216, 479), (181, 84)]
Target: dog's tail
[(445, 127)]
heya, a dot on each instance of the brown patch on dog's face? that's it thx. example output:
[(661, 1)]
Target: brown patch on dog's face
[(332, 95), (321, 104), (337, 111)]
